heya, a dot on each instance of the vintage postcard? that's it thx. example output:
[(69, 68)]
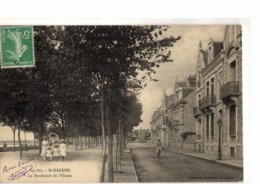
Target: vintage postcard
[(121, 103)]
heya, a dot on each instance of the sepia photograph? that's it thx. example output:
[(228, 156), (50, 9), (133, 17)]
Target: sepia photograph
[(121, 103)]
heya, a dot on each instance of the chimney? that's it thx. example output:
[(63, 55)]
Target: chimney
[(210, 50), (191, 81)]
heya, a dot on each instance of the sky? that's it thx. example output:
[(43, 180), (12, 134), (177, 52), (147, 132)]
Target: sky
[(7, 134), (184, 54)]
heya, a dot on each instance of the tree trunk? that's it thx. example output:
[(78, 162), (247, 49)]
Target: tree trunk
[(76, 142), (110, 150), (40, 137), (117, 147), (34, 143), (85, 141), (104, 155), (78, 137), (81, 144), (124, 140), (14, 140), (19, 139), (88, 141), (64, 133), (25, 141), (100, 141), (120, 139), (110, 157)]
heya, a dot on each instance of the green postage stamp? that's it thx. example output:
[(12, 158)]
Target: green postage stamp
[(17, 47)]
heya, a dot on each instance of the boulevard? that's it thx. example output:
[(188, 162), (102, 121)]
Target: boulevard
[(172, 167)]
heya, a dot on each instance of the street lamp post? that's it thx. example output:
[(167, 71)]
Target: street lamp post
[(219, 136)]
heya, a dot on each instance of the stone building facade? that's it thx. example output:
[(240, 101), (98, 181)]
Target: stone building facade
[(219, 95), (173, 122), (142, 134), (181, 131), (231, 93), (156, 125)]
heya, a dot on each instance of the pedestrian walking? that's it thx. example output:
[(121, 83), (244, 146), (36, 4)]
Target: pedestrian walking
[(4, 147), (158, 147)]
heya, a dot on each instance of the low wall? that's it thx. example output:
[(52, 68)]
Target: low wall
[(17, 148)]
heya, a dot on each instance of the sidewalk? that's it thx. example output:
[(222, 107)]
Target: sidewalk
[(79, 166), (226, 161), (127, 173)]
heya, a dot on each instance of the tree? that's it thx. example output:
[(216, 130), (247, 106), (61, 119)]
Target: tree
[(117, 53), (91, 64), (14, 98)]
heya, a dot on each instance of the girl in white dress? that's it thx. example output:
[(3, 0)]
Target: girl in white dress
[(63, 149), (56, 151), (49, 153)]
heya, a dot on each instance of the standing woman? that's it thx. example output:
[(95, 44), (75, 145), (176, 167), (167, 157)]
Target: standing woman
[(45, 143)]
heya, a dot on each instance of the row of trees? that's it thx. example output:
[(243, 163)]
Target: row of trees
[(85, 81)]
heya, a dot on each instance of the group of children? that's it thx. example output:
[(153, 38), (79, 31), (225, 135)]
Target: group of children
[(53, 150)]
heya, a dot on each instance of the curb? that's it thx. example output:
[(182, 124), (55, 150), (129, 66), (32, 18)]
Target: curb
[(133, 166), (209, 160)]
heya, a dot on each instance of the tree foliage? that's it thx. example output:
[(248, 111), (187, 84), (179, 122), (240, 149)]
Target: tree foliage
[(81, 70)]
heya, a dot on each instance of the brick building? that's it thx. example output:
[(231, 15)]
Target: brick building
[(219, 95)]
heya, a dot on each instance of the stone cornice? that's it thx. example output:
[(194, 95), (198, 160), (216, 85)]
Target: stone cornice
[(157, 117), (172, 106)]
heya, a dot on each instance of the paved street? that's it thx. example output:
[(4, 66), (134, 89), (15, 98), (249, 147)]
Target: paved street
[(172, 167)]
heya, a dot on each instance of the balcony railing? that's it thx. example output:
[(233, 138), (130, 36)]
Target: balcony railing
[(207, 101), (229, 89), (196, 111)]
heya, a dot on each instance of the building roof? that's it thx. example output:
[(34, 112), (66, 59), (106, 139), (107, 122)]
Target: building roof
[(187, 91), (181, 84)]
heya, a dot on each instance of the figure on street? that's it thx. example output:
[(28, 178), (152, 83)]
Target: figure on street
[(63, 149)]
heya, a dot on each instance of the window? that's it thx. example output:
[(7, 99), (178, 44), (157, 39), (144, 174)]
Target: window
[(232, 121), (212, 126), (212, 86), (207, 126), (232, 151), (233, 73), (207, 89)]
